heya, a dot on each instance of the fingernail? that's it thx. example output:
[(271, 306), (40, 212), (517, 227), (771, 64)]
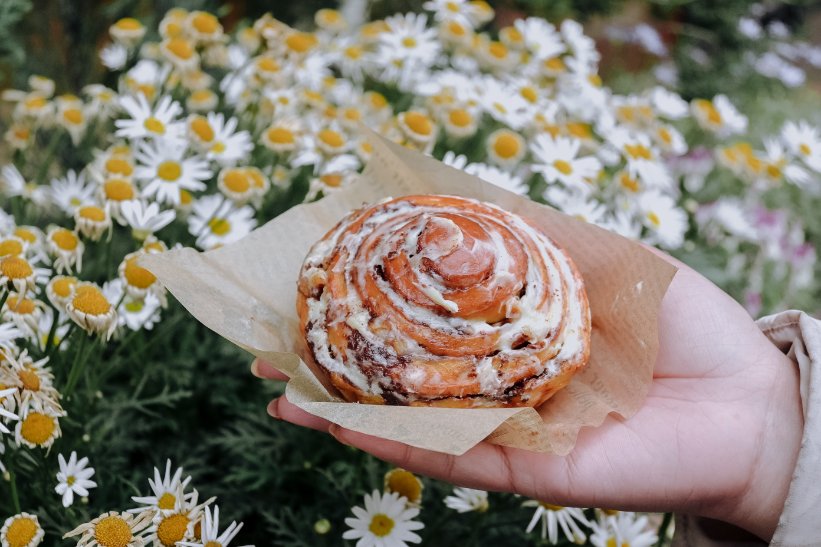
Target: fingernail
[(273, 411), (255, 368)]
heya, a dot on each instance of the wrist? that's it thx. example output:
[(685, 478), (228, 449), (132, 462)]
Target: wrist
[(759, 505)]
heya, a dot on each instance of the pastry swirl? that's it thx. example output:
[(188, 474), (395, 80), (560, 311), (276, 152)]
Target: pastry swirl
[(442, 301)]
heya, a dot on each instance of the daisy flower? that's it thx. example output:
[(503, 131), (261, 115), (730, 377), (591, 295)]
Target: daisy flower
[(167, 491), (539, 37), (210, 535), (92, 311), (66, 248), (803, 141), (38, 427), (460, 122), (92, 221), (669, 139), (215, 221), (668, 104), (170, 527), (74, 477), (465, 500), (641, 156), (7, 398), (8, 334), (112, 529), (33, 380), (554, 517), (19, 274), (145, 218), (60, 290), (13, 184), (21, 530), (556, 160), (165, 171), (127, 31), (505, 148), (623, 529), (24, 312), (406, 484), (417, 126), (114, 56), (45, 326), (718, 116), (181, 53), (385, 520), (665, 221), (135, 313), (502, 103), (228, 146), (149, 123), (204, 26), (71, 191), (237, 184), (777, 165)]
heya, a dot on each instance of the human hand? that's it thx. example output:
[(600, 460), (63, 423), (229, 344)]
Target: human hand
[(717, 436)]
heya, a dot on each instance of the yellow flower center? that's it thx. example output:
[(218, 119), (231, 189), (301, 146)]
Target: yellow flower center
[(579, 130), (629, 183), (154, 125), (63, 286), (300, 42), (456, 29), (773, 171), (135, 306), (452, 7), (169, 171), (73, 116), (205, 23), (118, 190), (71, 480), (497, 50), (167, 501), (419, 123), (213, 544), (180, 48), (202, 129), (218, 148), (665, 135), (113, 531), (377, 100), (555, 64), (92, 212), (14, 267), (172, 529), (237, 181), (507, 145), (266, 64), (611, 542), (654, 219), (128, 23), (202, 96), (185, 197), (529, 93), (21, 531), (219, 226), (352, 114), (123, 167), (25, 306), (90, 300), (35, 103), (550, 506), (333, 180), (409, 42), (37, 428), (281, 135), (563, 167), (137, 276), (805, 149), (256, 177), (638, 151), (332, 138), (25, 235), (30, 379), (381, 525), (64, 239), (499, 107), (460, 117), (10, 247), (709, 111), (405, 484), (353, 52)]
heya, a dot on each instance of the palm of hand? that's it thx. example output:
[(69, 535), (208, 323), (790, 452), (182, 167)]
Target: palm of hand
[(695, 445)]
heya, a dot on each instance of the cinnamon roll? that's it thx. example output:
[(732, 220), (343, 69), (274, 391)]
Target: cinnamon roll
[(442, 301)]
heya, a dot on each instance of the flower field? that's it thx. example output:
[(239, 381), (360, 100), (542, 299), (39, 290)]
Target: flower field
[(123, 422)]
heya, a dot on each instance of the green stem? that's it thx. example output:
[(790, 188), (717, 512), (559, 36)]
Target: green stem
[(3, 299), (665, 524), (13, 485), (49, 156), (79, 360), (55, 321)]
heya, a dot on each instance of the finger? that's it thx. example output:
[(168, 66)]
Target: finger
[(282, 409), (485, 466), (266, 371)]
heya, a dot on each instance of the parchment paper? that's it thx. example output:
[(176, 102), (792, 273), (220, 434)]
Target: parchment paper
[(246, 292)]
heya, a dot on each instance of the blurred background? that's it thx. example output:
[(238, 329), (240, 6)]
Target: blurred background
[(699, 47)]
